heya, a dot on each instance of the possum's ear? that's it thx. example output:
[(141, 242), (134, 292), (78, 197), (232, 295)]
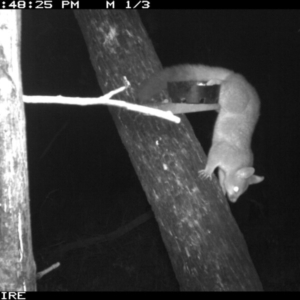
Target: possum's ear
[(248, 173), (245, 172), (255, 179)]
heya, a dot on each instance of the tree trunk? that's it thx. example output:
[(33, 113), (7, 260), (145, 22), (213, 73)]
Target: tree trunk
[(16, 264), (205, 246)]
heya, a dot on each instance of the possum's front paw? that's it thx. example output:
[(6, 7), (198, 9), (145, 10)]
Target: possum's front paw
[(204, 174)]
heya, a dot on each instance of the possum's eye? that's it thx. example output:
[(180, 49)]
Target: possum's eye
[(236, 189)]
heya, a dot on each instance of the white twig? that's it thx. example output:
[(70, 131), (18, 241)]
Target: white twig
[(104, 100), (39, 275)]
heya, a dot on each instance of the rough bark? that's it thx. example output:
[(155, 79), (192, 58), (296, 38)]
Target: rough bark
[(205, 246), (16, 262)]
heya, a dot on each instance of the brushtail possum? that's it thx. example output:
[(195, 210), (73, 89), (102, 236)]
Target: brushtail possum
[(230, 151)]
